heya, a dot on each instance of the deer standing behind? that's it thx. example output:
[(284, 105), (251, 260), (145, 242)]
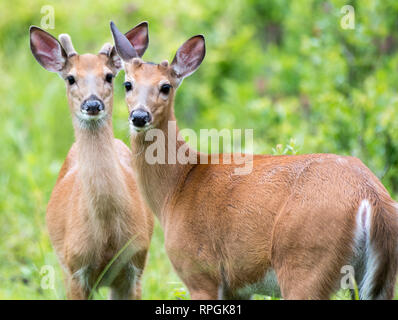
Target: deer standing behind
[(95, 208), (286, 228)]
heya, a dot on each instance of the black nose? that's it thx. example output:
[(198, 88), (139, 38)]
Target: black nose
[(140, 118), (92, 106)]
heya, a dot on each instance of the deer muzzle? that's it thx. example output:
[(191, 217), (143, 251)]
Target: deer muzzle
[(140, 118)]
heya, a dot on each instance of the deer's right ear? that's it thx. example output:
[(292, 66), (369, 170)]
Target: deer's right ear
[(47, 50), (133, 44)]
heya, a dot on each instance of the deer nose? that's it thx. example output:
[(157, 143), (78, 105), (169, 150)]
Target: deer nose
[(140, 118), (92, 106)]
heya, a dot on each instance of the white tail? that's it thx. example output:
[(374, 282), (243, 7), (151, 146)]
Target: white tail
[(95, 208), (290, 224)]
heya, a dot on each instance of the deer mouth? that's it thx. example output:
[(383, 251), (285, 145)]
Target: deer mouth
[(92, 114), (91, 120), (136, 129)]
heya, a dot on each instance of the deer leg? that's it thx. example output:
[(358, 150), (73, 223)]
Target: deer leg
[(202, 288), (137, 292), (127, 285), (308, 251), (298, 282), (203, 295), (75, 290), (130, 290)]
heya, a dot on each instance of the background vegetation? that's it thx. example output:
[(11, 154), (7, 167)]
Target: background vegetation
[(284, 68)]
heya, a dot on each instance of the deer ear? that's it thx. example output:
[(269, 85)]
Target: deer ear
[(189, 57), (47, 50), (114, 61), (133, 44), (139, 38)]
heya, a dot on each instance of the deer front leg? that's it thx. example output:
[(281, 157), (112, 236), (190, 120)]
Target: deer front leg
[(127, 284), (75, 290), (128, 291)]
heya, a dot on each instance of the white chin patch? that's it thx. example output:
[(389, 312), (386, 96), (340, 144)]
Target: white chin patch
[(134, 129), (87, 117), (92, 122)]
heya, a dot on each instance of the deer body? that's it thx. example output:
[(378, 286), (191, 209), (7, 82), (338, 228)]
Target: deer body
[(289, 226), (92, 214), (95, 208), (292, 220)]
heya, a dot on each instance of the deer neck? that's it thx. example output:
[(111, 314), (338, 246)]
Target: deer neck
[(100, 173), (159, 181)]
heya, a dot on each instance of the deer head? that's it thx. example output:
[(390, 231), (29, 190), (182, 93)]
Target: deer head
[(88, 77), (150, 88)]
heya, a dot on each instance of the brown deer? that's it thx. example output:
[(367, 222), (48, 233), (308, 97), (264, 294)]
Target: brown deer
[(286, 228), (95, 208)]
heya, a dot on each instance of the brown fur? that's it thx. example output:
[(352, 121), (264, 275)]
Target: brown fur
[(295, 214), (90, 221), (302, 217), (95, 207)]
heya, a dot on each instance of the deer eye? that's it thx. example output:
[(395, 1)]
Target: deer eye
[(71, 79), (128, 85), (165, 88), (109, 77)]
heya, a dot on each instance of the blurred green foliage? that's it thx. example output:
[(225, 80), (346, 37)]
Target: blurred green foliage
[(284, 68)]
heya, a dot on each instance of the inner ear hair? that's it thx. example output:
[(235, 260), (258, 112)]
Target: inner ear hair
[(66, 43)]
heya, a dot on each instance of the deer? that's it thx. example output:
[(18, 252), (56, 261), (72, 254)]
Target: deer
[(286, 229), (95, 209)]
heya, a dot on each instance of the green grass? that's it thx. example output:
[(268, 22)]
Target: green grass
[(21, 278)]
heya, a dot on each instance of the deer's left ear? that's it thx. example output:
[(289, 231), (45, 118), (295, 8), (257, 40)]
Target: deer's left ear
[(188, 57), (114, 62)]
